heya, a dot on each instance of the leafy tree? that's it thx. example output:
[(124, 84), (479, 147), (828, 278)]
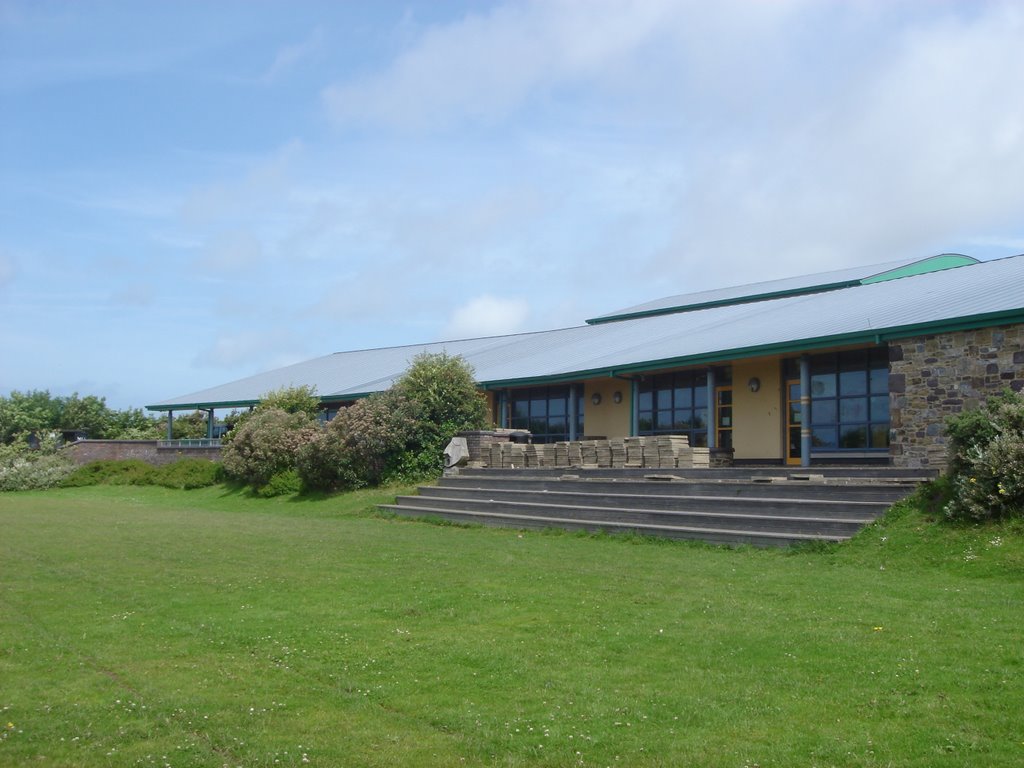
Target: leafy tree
[(190, 426), (447, 400), (89, 413), (25, 412)]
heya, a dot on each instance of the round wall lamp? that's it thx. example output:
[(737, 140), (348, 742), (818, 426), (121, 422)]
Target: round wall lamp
[(617, 398), (754, 383), (596, 398)]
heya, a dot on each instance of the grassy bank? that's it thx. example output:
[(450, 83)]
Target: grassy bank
[(145, 626)]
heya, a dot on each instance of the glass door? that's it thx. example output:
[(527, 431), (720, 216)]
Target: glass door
[(723, 417), (794, 421)]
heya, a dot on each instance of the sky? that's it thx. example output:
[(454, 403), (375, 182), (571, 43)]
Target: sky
[(194, 192)]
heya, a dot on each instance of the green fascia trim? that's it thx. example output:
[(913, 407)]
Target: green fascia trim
[(239, 403), (750, 299), (200, 406), (931, 264), (820, 343)]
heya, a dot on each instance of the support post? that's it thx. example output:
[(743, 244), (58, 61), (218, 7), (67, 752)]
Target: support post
[(805, 411), (209, 423), (712, 411), (170, 425)]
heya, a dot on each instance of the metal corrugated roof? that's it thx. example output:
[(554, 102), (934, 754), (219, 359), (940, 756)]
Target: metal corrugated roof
[(986, 292), (820, 281)]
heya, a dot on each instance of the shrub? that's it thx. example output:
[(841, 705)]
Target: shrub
[(987, 460), (114, 472), (292, 400), (267, 444), (361, 446), (281, 484), (187, 474), (288, 399), (32, 473)]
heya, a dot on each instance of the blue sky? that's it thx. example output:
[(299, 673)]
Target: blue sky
[(192, 192)]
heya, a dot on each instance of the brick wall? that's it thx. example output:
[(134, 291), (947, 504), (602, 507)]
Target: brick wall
[(933, 377), (85, 451)]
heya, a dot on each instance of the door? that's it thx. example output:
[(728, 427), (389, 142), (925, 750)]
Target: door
[(794, 421), (723, 417)]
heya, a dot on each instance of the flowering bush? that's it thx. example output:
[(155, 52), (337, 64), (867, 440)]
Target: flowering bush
[(26, 469), (27, 473), (361, 446), (987, 461), (267, 444)]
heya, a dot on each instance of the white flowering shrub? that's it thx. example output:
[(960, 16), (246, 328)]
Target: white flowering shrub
[(987, 461), (31, 471)]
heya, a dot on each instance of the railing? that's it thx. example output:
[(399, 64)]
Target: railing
[(195, 442)]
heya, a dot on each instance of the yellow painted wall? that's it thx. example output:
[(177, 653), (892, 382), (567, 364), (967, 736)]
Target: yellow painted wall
[(757, 433), (490, 399), (609, 419)]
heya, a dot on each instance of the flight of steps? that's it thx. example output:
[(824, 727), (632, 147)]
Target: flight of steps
[(757, 506)]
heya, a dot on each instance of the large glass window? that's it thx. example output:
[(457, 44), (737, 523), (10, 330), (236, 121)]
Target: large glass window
[(675, 404), (850, 400), (545, 412)]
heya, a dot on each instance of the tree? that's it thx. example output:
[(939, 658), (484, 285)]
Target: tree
[(90, 414), (444, 387), (28, 412), (447, 401)]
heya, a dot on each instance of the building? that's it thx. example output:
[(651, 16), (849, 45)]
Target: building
[(861, 365)]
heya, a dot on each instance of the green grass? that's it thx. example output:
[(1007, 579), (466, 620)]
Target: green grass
[(151, 627)]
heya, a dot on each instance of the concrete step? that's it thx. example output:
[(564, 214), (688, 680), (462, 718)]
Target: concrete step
[(835, 473), (773, 508), (751, 520), (709, 534), (853, 491), (633, 498)]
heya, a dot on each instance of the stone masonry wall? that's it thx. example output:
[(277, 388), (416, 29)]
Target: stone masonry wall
[(933, 377)]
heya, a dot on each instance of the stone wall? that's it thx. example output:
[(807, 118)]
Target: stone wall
[(933, 377), (85, 451)]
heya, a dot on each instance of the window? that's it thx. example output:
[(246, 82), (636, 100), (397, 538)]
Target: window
[(850, 400), (675, 404), (545, 412)]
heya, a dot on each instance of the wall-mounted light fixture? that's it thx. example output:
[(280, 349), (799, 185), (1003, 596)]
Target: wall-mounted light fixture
[(596, 398), (754, 383), (617, 397)]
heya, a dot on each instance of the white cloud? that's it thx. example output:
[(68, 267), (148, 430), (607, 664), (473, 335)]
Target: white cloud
[(291, 55), (252, 349), (487, 315), (484, 66), (230, 251)]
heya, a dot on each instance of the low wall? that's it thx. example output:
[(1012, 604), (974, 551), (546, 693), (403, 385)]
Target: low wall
[(149, 451)]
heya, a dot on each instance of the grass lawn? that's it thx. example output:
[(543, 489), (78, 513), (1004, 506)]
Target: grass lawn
[(151, 627)]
